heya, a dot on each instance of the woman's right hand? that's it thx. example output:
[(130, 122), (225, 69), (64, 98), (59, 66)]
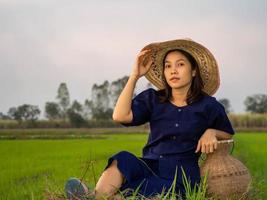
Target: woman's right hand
[(139, 69)]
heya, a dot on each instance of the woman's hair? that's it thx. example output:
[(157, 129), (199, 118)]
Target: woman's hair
[(195, 92)]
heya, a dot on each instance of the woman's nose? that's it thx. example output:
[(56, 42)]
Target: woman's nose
[(174, 70)]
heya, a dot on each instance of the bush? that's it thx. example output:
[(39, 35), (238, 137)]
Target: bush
[(249, 121)]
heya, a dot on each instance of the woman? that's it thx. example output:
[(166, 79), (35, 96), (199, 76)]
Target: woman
[(184, 121)]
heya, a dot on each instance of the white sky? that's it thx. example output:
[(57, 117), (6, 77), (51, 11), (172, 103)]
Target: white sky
[(82, 42)]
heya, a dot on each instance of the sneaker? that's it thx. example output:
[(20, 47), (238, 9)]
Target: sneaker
[(77, 190)]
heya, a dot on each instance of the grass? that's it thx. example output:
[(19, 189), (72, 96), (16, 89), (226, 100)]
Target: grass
[(29, 167), (27, 164), (66, 133), (251, 149)]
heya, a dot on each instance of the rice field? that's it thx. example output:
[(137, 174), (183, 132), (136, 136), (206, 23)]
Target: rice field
[(30, 168)]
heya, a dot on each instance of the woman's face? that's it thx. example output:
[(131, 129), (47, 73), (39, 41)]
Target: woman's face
[(178, 70)]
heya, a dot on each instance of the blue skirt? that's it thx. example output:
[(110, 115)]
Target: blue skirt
[(154, 177)]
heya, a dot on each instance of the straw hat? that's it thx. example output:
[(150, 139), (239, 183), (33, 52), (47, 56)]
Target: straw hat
[(208, 67)]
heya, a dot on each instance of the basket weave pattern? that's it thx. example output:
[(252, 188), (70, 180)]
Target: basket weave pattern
[(227, 176)]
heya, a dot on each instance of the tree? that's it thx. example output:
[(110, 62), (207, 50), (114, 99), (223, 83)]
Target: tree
[(87, 109), (226, 104), (13, 113), (75, 114), (104, 98), (63, 98), (75, 119), (25, 112), (116, 88), (256, 103), (77, 107), (4, 117), (1, 115), (101, 101), (52, 110)]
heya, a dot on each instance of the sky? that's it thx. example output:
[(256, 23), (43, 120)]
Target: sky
[(82, 42)]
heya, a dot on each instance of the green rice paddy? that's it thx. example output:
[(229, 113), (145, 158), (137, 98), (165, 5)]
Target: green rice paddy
[(30, 168)]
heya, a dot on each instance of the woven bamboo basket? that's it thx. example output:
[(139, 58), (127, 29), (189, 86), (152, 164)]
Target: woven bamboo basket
[(227, 176)]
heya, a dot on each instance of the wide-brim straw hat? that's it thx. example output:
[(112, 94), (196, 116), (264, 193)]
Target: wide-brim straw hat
[(208, 66)]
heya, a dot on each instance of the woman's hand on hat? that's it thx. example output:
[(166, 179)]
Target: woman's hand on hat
[(207, 142), (140, 68)]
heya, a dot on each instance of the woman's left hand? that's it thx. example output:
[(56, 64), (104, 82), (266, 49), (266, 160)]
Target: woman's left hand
[(208, 142)]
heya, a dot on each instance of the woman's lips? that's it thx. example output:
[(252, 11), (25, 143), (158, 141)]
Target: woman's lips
[(174, 79)]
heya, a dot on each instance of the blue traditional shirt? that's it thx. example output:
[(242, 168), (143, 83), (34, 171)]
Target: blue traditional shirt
[(173, 129)]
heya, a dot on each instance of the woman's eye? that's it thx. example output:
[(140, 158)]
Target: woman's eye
[(180, 64), (167, 66)]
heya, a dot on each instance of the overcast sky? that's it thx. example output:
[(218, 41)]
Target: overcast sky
[(82, 42)]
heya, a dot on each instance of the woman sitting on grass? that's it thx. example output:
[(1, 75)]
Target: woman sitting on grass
[(184, 121)]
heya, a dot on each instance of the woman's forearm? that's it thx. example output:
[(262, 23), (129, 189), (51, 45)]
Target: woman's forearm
[(122, 111), (221, 135)]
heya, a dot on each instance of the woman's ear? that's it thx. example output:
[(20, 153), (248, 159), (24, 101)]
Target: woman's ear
[(194, 73)]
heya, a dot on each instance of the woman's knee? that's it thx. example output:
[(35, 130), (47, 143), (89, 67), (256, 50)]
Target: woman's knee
[(113, 169), (124, 154), (113, 165), (109, 182)]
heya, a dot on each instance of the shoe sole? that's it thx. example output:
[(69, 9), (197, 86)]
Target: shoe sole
[(76, 190)]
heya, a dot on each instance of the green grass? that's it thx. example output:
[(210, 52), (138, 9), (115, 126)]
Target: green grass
[(251, 149), (27, 164), (28, 167)]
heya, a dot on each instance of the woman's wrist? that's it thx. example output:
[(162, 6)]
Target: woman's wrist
[(221, 135), (134, 77)]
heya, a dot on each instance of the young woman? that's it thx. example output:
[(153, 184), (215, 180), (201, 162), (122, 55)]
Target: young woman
[(184, 121)]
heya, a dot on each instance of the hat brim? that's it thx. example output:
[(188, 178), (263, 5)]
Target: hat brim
[(208, 66)]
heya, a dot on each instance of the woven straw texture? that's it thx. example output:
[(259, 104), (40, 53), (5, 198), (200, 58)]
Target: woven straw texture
[(227, 176)]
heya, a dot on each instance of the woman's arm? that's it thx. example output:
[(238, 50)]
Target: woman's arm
[(209, 140), (221, 135), (122, 112), (217, 121)]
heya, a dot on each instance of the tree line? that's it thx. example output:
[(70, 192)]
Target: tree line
[(100, 105)]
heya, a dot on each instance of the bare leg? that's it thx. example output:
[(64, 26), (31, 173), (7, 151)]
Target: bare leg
[(109, 182)]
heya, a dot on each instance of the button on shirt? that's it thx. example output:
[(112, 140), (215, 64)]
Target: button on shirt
[(173, 129)]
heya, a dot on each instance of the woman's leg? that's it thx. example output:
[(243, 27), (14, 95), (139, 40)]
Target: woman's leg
[(109, 182)]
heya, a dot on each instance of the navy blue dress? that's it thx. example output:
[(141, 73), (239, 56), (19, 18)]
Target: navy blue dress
[(171, 145)]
